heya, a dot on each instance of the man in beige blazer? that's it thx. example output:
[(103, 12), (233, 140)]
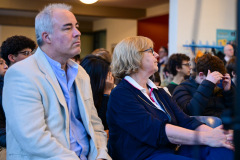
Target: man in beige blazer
[(38, 112)]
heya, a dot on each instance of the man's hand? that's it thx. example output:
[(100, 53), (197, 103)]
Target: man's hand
[(226, 82), (214, 77)]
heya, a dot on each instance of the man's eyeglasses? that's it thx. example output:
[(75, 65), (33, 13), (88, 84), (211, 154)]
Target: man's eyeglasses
[(187, 64), (26, 53), (150, 49)]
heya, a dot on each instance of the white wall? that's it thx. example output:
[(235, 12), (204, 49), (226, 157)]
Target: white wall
[(9, 31), (213, 15), (117, 29)]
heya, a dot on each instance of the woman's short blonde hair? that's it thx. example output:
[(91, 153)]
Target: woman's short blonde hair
[(127, 55)]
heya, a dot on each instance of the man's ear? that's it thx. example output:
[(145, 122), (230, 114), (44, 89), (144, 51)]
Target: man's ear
[(11, 58), (201, 75), (233, 74), (46, 37), (178, 68)]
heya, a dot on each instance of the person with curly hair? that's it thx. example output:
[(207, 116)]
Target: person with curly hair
[(210, 93), (13, 49), (179, 66), (17, 48)]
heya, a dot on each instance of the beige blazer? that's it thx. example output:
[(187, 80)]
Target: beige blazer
[(37, 119)]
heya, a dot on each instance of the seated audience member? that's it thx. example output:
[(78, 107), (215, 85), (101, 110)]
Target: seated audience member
[(144, 122), (102, 83), (232, 69), (13, 49), (179, 66), (16, 48), (201, 95), (229, 53), (167, 77), (163, 57), (103, 53), (47, 98), (3, 69)]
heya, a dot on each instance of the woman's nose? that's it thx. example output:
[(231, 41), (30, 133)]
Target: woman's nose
[(156, 55)]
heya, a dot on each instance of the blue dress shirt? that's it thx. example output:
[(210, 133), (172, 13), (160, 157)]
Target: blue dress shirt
[(79, 140)]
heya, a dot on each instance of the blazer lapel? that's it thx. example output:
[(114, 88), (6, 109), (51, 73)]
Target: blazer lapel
[(45, 67), (81, 92)]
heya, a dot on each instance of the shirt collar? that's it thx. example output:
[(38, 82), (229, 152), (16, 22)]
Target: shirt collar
[(55, 64), (136, 85), (226, 58)]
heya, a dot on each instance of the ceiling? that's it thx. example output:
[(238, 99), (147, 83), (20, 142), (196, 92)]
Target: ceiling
[(131, 3), (22, 12)]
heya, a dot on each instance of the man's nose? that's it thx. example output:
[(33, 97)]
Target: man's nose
[(77, 33), (5, 66)]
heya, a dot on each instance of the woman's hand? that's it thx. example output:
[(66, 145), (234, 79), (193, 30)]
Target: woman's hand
[(109, 83), (218, 138), (203, 135), (229, 135)]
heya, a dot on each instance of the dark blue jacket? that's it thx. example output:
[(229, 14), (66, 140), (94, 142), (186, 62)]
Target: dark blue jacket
[(2, 118), (137, 127), (203, 99)]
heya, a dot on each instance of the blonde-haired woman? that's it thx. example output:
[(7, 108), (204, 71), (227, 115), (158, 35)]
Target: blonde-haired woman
[(144, 122)]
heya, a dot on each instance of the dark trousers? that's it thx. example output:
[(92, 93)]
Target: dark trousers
[(194, 153)]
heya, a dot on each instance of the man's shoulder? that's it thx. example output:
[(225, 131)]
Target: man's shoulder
[(82, 71), (187, 85), (23, 69), (82, 74), (23, 66)]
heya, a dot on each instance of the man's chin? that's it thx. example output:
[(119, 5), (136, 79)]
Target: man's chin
[(76, 52)]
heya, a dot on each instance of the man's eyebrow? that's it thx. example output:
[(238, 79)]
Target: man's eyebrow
[(68, 24)]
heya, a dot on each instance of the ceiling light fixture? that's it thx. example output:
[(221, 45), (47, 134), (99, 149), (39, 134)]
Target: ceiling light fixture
[(88, 1)]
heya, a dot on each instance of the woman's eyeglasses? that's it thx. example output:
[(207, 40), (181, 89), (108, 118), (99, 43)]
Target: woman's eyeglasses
[(150, 49)]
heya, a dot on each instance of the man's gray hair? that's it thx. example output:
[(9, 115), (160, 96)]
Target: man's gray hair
[(43, 21)]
